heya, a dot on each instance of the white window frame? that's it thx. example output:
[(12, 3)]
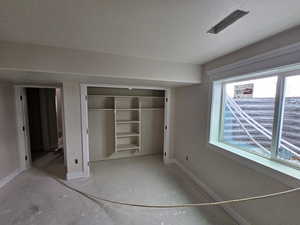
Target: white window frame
[(217, 121)]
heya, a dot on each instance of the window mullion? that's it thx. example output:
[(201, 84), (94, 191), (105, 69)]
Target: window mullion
[(221, 128), (278, 116)]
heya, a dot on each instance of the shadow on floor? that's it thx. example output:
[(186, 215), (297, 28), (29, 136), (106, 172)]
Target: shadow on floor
[(52, 163)]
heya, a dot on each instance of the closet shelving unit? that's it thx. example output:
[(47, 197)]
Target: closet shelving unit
[(127, 114), (127, 119)]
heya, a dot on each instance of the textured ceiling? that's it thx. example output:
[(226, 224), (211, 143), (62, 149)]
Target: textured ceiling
[(173, 30)]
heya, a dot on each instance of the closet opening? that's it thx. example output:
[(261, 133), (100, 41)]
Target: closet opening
[(125, 122)]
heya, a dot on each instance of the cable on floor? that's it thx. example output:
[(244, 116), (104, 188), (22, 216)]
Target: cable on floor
[(219, 203)]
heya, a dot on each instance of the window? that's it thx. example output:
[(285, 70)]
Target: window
[(289, 147), (259, 115)]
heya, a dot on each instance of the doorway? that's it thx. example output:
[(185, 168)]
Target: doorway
[(42, 119)]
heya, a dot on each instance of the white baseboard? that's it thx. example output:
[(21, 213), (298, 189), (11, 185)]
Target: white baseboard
[(9, 178), (235, 215), (75, 175)]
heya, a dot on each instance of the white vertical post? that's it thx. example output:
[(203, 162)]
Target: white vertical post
[(140, 124), (22, 129), (115, 123), (85, 129), (167, 115)]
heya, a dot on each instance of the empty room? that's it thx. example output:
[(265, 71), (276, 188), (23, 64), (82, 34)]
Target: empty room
[(162, 112)]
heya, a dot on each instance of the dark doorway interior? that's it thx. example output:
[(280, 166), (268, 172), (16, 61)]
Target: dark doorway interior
[(45, 123)]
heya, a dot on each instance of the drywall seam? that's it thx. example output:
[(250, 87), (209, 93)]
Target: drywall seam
[(234, 214), (10, 177)]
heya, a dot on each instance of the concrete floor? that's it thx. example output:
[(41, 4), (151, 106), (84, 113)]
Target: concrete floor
[(36, 199)]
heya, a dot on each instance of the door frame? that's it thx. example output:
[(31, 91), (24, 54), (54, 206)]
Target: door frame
[(23, 134), (85, 126)]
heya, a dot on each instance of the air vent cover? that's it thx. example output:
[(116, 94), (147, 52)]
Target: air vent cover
[(227, 21)]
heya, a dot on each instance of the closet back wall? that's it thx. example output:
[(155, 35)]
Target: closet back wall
[(125, 122)]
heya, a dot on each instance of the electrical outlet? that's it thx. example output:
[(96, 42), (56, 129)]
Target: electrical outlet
[(76, 161), (187, 158)]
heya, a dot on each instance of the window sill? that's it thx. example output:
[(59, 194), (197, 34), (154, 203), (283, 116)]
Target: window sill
[(276, 166)]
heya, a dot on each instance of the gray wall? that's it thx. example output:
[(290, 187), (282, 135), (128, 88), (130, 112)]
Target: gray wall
[(8, 139), (228, 175)]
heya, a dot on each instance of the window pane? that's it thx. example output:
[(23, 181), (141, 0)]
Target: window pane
[(289, 148), (248, 114)]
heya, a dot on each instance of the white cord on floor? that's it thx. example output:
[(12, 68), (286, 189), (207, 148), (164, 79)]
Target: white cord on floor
[(96, 198)]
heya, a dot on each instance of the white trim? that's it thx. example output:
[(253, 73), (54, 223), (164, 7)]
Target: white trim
[(10, 177), (228, 209), (167, 116), (256, 59), (37, 86), (84, 130), (23, 138), (124, 86), (283, 172), (75, 175)]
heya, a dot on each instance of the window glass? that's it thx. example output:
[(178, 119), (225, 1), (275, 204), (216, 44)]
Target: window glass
[(289, 148), (248, 114)]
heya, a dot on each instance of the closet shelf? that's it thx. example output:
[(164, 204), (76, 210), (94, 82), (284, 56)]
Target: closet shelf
[(152, 108), (125, 147), (127, 96), (99, 109), (127, 121), (132, 109), (127, 134)]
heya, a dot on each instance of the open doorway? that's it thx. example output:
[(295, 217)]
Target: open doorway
[(43, 130)]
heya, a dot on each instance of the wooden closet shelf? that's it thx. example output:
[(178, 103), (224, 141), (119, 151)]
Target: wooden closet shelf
[(127, 134), (126, 96), (100, 109), (125, 147), (127, 121), (152, 108), (128, 109)]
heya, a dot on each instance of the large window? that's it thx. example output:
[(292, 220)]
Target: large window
[(259, 115)]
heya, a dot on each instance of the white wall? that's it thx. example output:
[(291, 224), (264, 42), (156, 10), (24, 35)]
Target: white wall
[(72, 127), (36, 64), (228, 176), (8, 140), (73, 132), (277, 41), (38, 58)]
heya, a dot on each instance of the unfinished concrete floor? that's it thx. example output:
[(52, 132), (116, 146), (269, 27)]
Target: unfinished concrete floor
[(36, 199)]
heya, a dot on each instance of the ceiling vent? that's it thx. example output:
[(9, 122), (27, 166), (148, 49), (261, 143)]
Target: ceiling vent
[(227, 21)]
